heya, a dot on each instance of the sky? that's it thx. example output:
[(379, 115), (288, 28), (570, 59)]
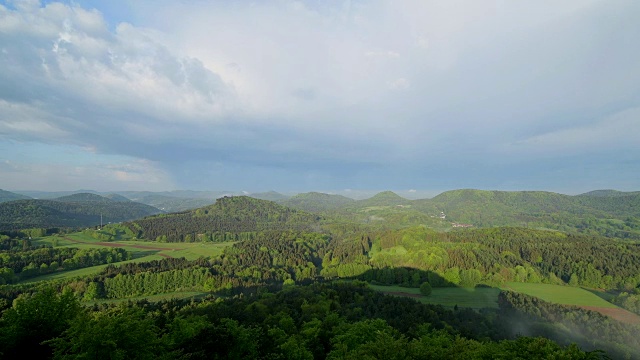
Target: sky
[(320, 95)]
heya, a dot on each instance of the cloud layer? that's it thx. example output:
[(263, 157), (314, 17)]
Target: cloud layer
[(305, 95)]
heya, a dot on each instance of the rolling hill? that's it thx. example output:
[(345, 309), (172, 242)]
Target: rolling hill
[(317, 202), (606, 213), (229, 214), (10, 196), (385, 198), (608, 193)]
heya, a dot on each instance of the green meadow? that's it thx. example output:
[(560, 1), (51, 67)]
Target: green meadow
[(475, 298), (566, 295), (481, 297), (69, 274), (140, 251)]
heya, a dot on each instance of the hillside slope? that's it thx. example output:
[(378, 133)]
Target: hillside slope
[(10, 196), (229, 214), (607, 213)]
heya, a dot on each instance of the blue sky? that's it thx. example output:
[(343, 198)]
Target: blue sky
[(307, 95)]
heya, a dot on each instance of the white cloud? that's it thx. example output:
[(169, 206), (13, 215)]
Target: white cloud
[(73, 60), (307, 86), (53, 175), (20, 120)]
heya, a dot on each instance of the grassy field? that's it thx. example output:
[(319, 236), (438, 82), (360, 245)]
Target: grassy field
[(190, 251), (87, 271), (488, 297), (475, 298), (566, 295), (140, 251)]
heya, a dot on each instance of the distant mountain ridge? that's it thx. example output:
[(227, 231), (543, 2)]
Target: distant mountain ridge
[(172, 204), (385, 198), (10, 196), (600, 212), (78, 210), (116, 197), (83, 197), (269, 195), (317, 202), (609, 193)]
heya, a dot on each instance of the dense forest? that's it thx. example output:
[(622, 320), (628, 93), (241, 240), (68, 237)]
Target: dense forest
[(339, 321)]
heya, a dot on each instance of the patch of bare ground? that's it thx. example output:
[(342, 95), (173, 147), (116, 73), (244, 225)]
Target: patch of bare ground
[(621, 315)]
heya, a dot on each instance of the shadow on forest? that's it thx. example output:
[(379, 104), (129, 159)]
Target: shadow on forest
[(401, 281), (605, 295)]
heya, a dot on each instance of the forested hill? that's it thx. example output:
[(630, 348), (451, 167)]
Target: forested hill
[(617, 204), (499, 204), (613, 215), (116, 197), (87, 197), (609, 193), (235, 214), (34, 213), (525, 202), (9, 196), (317, 202), (385, 198)]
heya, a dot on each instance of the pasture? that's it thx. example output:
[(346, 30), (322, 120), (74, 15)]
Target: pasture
[(140, 251), (482, 297), (475, 298), (566, 295)]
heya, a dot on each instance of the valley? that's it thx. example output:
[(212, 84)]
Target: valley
[(520, 271)]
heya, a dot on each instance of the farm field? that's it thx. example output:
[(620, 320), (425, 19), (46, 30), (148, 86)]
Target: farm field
[(69, 274), (140, 250), (475, 298), (566, 295), (190, 251)]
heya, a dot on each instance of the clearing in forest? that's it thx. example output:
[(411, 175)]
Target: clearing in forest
[(559, 294), (140, 251), (476, 298)]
